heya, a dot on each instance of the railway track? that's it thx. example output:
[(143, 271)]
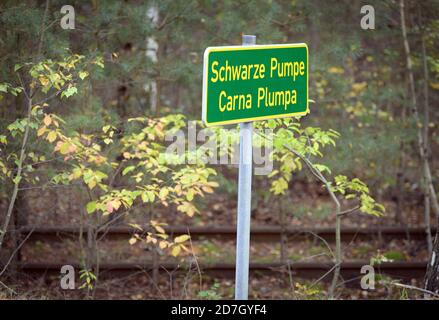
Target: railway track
[(258, 233), (350, 271)]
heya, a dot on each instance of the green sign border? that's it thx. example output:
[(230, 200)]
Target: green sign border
[(255, 47)]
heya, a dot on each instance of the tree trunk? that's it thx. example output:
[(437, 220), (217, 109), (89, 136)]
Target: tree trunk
[(432, 275), (427, 201), (152, 47)]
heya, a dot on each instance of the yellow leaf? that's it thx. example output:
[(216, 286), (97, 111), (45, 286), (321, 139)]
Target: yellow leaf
[(187, 208), (176, 250), (92, 184), (163, 244), (76, 174), (47, 120), (41, 131), (182, 238), (213, 184), (51, 136), (136, 226), (132, 241), (116, 204), (336, 70), (359, 86), (163, 193), (207, 189), (159, 229), (44, 81), (153, 222)]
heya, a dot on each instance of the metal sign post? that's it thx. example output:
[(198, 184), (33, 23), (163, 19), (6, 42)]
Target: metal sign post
[(244, 200), (249, 83)]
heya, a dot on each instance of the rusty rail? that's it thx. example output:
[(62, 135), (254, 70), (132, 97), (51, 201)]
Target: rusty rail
[(308, 270), (258, 233)]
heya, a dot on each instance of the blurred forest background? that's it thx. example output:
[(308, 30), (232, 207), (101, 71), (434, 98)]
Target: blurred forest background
[(143, 60)]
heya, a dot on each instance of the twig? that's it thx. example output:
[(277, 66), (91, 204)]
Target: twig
[(195, 259), (322, 277), (406, 286), (348, 211), (6, 287), (324, 241), (15, 252)]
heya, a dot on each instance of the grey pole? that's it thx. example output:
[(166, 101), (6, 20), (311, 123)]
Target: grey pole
[(244, 200)]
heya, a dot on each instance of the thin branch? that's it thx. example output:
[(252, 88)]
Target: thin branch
[(195, 259), (324, 241), (6, 287), (17, 177), (322, 277), (57, 93), (348, 211), (15, 252), (406, 286)]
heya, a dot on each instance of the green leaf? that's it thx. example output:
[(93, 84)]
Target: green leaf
[(17, 179), (91, 207), (279, 186), (69, 92), (322, 168), (190, 195), (64, 149), (128, 170), (4, 87), (83, 75), (148, 196)]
